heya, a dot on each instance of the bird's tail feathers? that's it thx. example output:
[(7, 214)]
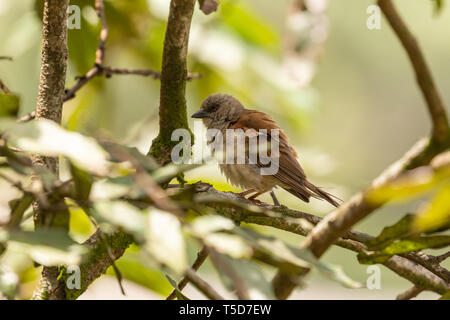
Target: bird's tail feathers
[(318, 193)]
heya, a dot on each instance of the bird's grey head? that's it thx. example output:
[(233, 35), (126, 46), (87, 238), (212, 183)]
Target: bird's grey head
[(218, 110)]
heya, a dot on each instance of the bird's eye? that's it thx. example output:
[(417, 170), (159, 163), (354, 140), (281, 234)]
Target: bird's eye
[(213, 108)]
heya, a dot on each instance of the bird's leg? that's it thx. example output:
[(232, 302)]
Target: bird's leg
[(252, 198), (244, 193), (276, 203)]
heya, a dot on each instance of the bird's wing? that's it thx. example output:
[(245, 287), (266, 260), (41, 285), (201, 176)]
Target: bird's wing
[(290, 172)]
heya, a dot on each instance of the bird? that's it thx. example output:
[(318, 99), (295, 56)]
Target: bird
[(222, 112)]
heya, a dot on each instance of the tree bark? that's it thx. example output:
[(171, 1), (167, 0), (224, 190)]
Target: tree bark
[(172, 108), (49, 106)]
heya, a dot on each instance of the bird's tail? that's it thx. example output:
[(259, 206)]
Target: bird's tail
[(318, 193)]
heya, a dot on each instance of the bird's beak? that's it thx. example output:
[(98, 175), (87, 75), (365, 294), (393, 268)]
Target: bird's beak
[(200, 114)]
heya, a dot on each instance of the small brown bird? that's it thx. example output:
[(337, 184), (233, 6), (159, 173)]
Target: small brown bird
[(222, 112)]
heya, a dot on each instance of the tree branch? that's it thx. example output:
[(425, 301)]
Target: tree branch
[(49, 106), (202, 285), (424, 78), (172, 108), (410, 293), (104, 249)]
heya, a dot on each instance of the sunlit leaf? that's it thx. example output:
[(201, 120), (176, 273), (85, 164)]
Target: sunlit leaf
[(132, 268), (202, 226), (248, 275), (122, 214), (398, 230), (297, 256), (248, 25), (414, 183), (404, 246), (47, 247), (436, 214), (46, 137), (229, 244), (165, 241)]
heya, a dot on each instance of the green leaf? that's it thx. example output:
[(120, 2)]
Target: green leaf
[(132, 268), (82, 183), (248, 274), (298, 257), (122, 214), (18, 208), (205, 225), (165, 241), (404, 246), (48, 138), (249, 26), (116, 187), (47, 247), (435, 215), (415, 183), (400, 229), (9, 105)]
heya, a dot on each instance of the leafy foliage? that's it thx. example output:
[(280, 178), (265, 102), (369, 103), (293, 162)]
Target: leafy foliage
[(160, 235)]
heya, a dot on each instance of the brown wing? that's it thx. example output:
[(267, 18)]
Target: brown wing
[(290, 173)]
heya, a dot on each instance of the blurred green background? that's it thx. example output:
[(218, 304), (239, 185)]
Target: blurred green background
[(361, 111)]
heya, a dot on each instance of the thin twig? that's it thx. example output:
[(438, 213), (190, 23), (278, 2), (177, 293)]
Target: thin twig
[(4, 88), (441, 258), (202, 285), (424, 78), (6, 58), (113, 264), (410, 293), (146, 183), (201, 257), (100, 53)]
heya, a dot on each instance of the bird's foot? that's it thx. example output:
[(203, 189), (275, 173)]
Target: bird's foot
[(255, 201)]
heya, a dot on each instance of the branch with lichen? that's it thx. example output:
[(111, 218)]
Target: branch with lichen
[(172, 107), (49, 106)]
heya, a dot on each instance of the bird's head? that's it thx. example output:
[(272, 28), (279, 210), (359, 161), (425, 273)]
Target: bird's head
[(218, 110)]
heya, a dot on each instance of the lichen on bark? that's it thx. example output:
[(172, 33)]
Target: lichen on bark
[(172, 108), (49, 106)]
